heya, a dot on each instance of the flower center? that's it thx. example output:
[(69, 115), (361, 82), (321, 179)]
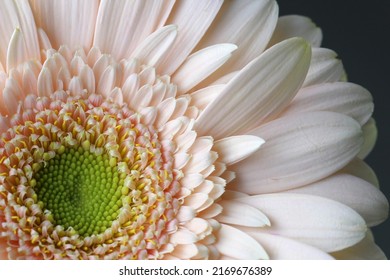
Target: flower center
[(86, 179), (82, 190)]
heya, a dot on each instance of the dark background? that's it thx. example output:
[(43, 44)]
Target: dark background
[(359, 31)]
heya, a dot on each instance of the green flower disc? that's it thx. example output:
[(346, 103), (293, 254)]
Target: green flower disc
[(82, 190)]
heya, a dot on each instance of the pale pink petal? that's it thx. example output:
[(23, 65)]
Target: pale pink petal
[(183, 236), (187, 251), (17, 14), (122, 25), (185, 213), (281, 248), (66, 22), (45, 84), (298, 150), (200, 65), (316, 221), (324, 68), (261, 90), (153, 48), (236, 148), (354, 192), (17, 51), (370, 134), (359, 168), (346, 98), (191, 181), (247, 24), (364, 250), (241, 214), (296, 26), (237, 244), (203, 97), (192, 18)]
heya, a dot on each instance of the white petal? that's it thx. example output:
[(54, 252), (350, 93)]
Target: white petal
[(370, 134), (359, 168), (364, 250), (281, 248), (45, 84), (153, 48), (319, 222), (354, 192), (122, 25), (346, 98), (192, 19), (200, 65), (66, 22), (298, 150), (17, 14), (203, 97), (17, 51), (183, 236), (245, 23), (296, 26), (324, 68), (237, 213), (237, 244), (185, 213), (236, 148), (262, 89)]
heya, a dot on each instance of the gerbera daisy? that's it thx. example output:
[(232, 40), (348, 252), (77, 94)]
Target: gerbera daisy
[(179, 130)]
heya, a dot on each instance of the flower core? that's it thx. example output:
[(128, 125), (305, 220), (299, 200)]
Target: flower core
[(81, 190), (84, 178)]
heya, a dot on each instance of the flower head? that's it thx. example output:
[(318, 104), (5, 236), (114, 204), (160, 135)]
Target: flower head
[(187, 130)]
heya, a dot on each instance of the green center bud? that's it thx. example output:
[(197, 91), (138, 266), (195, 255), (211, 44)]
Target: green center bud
[(82, 190)]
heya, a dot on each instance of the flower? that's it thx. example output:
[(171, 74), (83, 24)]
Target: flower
[(187, 130)]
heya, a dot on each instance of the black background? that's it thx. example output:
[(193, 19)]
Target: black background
[(359, 31)]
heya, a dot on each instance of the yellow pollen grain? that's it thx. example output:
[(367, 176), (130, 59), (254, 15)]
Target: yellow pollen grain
[(124, 136), (24, 144), (41, 120), (151, 241)]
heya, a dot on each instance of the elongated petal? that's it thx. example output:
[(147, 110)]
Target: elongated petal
[(63, 25), (236, 148), (324, 68), (346, 98), (281, 248), (354, 192), (296, 26), (17, 14), (122, 25), (245, 23), (238, 245), (298, 150), (237, 213), (319, 222), (153, 48), (193, 18), (17, 51), (200, 65), (359, 168), (370, 134), (364, 250), (262, 89)]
